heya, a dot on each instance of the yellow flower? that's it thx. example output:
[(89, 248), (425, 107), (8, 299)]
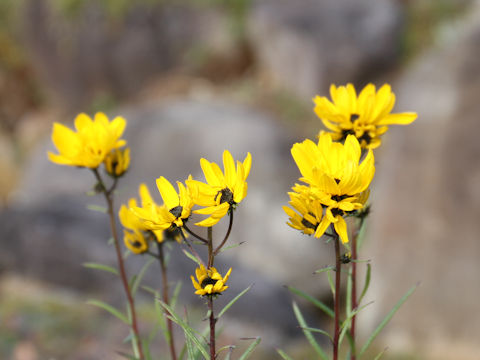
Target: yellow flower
[(309, 213), (89, 146), (117, 162), (223, 191), (366, 116), (172, 214), (210, 282), (136, 238), (336, 178), (135, 241)]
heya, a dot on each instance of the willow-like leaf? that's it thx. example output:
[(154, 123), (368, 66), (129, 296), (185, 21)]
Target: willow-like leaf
[(141, 274), (387, 318), (318, 349), (367, 283), (97, 208), (191, 257), (325, 308), (110, 309), (233, 301), (250, 349), (283, 355), (322, 270), (102, 267), (320, 331)]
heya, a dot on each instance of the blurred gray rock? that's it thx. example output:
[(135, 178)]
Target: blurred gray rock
[(51, 233), (305, 45), (85, 54), (424, 225)]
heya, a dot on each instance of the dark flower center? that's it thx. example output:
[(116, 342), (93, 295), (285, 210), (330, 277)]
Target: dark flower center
[(308, 224), (336, 211), (176, 211), (338, 198), (354, 117), (137, 244), (172, 233), (208, 281), (226, 195), (366, 137)]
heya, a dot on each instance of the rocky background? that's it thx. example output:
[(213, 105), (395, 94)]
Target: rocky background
[(195, 77)]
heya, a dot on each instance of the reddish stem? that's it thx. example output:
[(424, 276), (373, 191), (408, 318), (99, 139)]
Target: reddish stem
[(338, 268)]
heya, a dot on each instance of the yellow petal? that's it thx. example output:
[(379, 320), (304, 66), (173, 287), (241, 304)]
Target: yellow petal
[(341, 229), (168, 193)]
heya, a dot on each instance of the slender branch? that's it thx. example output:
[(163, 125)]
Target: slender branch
[(212, 328), (217, 250), (121, 265), (163, 267), (338, 269), (195, 235), (353, 356), (210, 246), (194, 252)]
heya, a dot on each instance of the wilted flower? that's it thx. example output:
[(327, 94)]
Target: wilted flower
[(117, 162), (366, 116), (89, 146), (223, 191), (210, 282)]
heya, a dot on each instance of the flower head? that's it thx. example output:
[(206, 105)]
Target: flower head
[(223, 190), (117, 162), (135, 241), (367, 116), (172, 214), (337, 181), (209, 281), (89, 146)]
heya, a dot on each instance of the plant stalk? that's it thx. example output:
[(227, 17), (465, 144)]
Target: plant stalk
[(212, 328), (121, 264), (163, 267), (338, 268)]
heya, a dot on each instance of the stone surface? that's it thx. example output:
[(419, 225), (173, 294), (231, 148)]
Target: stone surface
[(169, 139), (426, 202), (305, 45)]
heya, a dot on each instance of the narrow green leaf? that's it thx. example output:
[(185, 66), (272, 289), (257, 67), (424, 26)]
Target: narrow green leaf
[(151, 290), (387, 318), (230, 247), (330, 282), (327, 268), (176, 293), (318, 349), (381, 354), (351, 342), (325, 308), (98, 208), (320, 331), (189, 332), (250, 349), (102, 267), (348, 302), (140, 276), (233, 301), (230, 351), (110, 309), (283, 355), (191, 257), (127, 356), (224, 348), (190, 348), (361, 233), (367, 283)]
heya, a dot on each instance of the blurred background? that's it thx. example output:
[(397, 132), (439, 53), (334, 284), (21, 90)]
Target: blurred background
[(194, 77)]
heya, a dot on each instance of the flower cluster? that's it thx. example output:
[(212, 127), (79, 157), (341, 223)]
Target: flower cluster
[(209, 281), (92, 143), (337, 184), (366, 116)]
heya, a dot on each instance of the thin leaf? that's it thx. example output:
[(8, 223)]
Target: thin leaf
[(325, 308), (381, 354), (189, 332), (226, 347), (176, 293), (367, 282), (361, 233), (233, 301), (283, 355), (250, 349), (230, 247), (98, 208), (307, 333), (229, 354), (327, 268), (191, 257), (387, 318), (110, 309), (127, 356), (330, 282), (102, 267), (320, 331), (140, 276)]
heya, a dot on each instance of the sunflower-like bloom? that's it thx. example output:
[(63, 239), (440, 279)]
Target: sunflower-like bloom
[(309, 213), (172, 214), (89, 146), (117, 162), (367, 116), (136, 233), (223, 191), (209, 281), (337, 180)]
